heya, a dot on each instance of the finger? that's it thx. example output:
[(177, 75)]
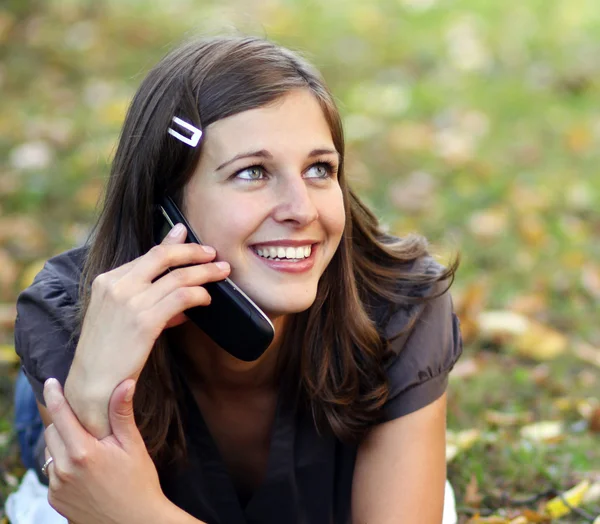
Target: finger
[(173, 305), (177, 320), (56, 449), (163, 257), (175, 236), (121, 415), (64, 420), (190, 276)]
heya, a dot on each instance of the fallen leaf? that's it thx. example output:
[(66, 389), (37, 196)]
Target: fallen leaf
[(492, 519), (472, 496), (501, 326), (556, 508), (469, 303), (30, 272), (519, 520), (594, 421), (546, 431), (529, 304), (592, 494), (534, 516), (8, 354), (499, 418), (540, 342), (460, 441), (587, 353), (489, 224)]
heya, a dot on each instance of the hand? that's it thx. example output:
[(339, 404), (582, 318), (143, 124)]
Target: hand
[(106, 481), (129, 308)]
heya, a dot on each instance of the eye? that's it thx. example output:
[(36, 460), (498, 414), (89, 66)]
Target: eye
[(320, 170), (251, 173)]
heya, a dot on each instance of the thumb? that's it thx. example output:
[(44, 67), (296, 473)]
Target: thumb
[(120, 412)]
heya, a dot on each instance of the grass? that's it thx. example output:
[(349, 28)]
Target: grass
[(474, 123)]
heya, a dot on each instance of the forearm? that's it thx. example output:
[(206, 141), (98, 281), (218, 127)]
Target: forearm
[(89, 399)]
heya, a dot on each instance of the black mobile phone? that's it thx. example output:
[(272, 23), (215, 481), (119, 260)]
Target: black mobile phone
[(232, 319)]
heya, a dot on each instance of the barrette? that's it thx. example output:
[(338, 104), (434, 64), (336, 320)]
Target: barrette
[(191, 140)]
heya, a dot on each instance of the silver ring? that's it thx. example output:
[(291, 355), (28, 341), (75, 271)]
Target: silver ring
[(45, 466)]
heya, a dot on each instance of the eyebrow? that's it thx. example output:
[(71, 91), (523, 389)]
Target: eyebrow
[(263, 153)]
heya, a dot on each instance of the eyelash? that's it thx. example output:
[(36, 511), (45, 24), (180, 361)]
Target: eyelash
[(331, 171)]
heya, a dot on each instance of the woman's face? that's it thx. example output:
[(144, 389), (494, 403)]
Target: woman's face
[(266, 196)]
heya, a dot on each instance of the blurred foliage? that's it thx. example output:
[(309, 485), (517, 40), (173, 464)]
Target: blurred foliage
[(475, 123)]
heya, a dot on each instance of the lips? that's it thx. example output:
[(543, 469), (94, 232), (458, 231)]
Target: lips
[(287, 265)]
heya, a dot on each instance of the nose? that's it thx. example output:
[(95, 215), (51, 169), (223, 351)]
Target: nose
[(294, 202)]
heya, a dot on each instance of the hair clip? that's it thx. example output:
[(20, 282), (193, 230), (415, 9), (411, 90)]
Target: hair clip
[(190, 141)]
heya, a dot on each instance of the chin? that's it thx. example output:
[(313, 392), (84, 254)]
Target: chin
[(286, 306)]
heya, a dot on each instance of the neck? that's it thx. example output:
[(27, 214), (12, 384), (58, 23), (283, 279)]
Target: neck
[(218, 371)]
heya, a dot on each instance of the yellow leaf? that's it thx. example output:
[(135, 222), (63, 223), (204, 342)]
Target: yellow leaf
[(457, 442), (519, 520), (30, 272), (540, 342), (556, 508), (8, 354), (545, 431), (532, 229), (489, 223), (499, 418)]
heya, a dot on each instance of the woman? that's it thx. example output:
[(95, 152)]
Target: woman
[(342, 419)]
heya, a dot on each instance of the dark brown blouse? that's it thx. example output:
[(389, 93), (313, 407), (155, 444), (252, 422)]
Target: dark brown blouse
[(309, 476)]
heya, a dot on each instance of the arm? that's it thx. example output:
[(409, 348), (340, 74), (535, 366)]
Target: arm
[(83, 486), (401, 469)]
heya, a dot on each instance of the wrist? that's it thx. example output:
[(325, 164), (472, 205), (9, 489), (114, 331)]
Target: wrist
[(89, 401)]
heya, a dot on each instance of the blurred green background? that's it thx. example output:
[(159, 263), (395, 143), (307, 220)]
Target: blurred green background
[(473, 122)]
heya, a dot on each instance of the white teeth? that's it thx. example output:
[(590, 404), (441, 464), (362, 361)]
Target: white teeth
[(289, 253)]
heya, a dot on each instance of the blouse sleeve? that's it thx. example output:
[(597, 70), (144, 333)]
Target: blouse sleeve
[(43, 327), (421, 359)]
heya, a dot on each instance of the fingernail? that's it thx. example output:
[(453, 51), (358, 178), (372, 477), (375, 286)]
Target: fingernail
[(177, 230), (129, 394), (208, 249), (51, 391), (222, 265)]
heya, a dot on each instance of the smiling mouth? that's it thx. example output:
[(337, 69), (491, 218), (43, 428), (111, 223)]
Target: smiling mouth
[(284, 253)]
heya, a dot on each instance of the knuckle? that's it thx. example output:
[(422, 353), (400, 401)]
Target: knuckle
[(99, 283), (179, 276), (184, 295), (63, 474), (80, 457), (159, 252)]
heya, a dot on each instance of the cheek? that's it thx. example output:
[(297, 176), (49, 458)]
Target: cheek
[(225, 223), (333, 216)]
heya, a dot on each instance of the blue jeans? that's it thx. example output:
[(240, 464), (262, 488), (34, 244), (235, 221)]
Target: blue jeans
[(28, 422)]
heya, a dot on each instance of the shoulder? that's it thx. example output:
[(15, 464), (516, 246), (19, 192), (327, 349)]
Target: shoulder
[(46, 319), (422, 333)]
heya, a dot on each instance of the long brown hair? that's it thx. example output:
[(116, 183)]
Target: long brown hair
[(333, 352)]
